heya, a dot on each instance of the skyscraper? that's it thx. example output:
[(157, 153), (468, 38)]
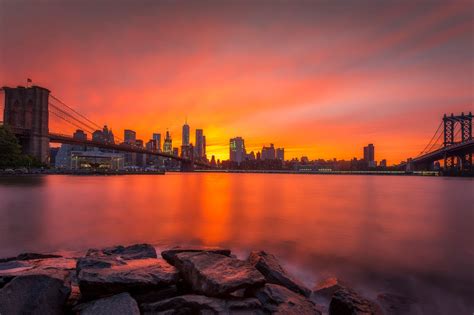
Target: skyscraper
[(237, 149), (369, 155), (268, 153), (129, 136), (157, 138), (168, 144), (199, 144), (185, 134), (280, 154)]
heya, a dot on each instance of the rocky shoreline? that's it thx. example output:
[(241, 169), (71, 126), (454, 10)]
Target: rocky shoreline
[(184, 280)]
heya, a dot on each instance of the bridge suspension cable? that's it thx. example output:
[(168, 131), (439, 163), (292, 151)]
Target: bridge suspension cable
[(77, 113), (431, 140), (64, 113)]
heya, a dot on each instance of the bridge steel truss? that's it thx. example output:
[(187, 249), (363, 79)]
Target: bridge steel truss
[(464, 159)]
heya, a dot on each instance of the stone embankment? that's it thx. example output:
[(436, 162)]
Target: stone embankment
[(184, 280)]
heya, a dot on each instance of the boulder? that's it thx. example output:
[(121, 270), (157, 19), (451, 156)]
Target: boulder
[(34, 294), (120, 304), (59, 268), (137, 251), (277, 299), (199, 304), (216, 275), (170, 254), (346, 301), (136, 276), (394, 304), (328, 287), (268, 265)]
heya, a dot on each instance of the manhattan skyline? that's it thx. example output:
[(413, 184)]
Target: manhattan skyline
[(320, 86)]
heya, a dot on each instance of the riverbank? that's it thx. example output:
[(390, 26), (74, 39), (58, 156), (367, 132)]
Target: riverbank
[(180, 280)]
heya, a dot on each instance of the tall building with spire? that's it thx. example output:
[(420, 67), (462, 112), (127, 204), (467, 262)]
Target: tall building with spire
[(185, 134), (168, 144)]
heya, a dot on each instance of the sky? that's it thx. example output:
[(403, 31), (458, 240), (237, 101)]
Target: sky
[(320, 78)]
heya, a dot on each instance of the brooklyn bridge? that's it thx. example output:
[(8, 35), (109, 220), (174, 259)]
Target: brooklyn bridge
[(28, 110)]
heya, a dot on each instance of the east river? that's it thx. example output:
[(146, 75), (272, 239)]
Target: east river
[(407, 235)]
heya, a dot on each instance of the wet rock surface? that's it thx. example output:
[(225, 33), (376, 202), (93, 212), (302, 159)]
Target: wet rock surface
[(122, 304), (328, 287), (34, 294), (187, 280), (346, 301), (136, 276), (269, 266), (277, 299), (170, 254), (216, 275)]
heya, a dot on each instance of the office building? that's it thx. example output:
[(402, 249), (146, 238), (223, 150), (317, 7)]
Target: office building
[(129, 136), (268, 153), (369, 155), (185, 134), (237, 150), (200, 144), (157, 138), (280, 154)]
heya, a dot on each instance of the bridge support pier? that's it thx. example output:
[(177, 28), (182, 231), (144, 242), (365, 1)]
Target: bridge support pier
[(187, 166), (26, 114)]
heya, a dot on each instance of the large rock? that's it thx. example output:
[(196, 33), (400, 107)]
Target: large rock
[(115, 256), (120, 304), (348, 302), (199, 304), (328, 287), (216, 275), (34, 294), (277, 299), (170, 254), (268, 265), (137, 251), (136, 276), (60, 268)]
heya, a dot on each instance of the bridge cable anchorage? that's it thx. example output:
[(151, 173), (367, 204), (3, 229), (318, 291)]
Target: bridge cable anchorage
[(76, 112), (71, 116)]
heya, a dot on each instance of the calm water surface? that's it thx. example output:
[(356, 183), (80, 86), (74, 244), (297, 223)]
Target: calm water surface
[(408, 235)]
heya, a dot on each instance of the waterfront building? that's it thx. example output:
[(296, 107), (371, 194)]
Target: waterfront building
[(63, 157), (268, 153), (96, 160), (237, 150), (157, 138), (383, 163), (280, 154), (168, 144), (175, 151)]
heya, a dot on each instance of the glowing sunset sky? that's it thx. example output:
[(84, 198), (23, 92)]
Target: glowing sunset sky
[(318, 78)]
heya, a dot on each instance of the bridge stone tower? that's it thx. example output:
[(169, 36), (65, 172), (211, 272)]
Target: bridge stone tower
[(26, 113)]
